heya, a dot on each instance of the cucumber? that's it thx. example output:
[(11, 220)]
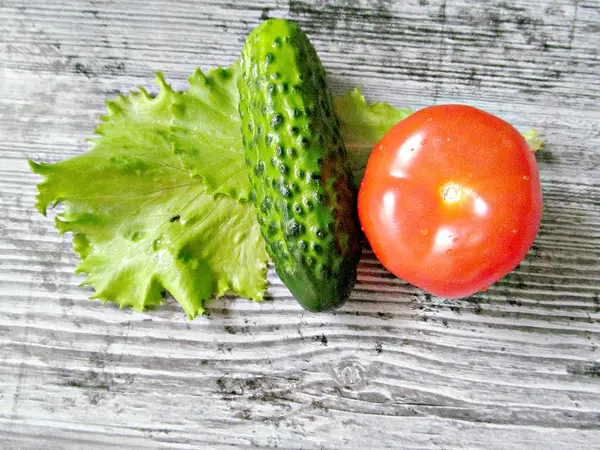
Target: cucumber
[(301, 181)]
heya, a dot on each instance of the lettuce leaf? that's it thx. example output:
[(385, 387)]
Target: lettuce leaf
[(143, 224), (533, 140), (206, 131), (363, 125)]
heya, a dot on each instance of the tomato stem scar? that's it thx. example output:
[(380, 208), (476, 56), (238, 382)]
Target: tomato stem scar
[(451, 192)]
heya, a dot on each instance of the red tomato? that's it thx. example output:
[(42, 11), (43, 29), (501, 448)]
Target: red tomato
[(451, 200)]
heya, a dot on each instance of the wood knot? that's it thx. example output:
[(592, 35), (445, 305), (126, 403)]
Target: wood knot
[(351, 375)]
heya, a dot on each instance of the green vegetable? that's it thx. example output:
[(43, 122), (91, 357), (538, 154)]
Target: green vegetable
[(362, 125), (142, 224), (301, 180), (533, 140), (205, 132)]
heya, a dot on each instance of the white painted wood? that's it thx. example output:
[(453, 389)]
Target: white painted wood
[(515, 367)]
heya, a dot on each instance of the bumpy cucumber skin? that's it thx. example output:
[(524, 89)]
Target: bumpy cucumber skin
[(301, 180)]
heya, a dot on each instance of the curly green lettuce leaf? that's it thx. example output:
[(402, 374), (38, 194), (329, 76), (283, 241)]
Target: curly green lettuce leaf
[(533, 140), (142, 224), (363, 124), (206, 131)]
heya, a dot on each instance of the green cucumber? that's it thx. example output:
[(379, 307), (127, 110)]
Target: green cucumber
[(301, 181)]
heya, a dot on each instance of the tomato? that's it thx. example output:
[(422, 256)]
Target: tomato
[(451, 200)]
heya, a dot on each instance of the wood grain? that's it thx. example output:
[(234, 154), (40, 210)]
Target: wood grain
[(517, 366)]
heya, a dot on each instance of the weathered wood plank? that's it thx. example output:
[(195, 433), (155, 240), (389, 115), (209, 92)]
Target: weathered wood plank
[(516, 366)]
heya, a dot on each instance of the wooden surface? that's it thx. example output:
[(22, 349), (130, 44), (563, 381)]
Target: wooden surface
[(515, 367)]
